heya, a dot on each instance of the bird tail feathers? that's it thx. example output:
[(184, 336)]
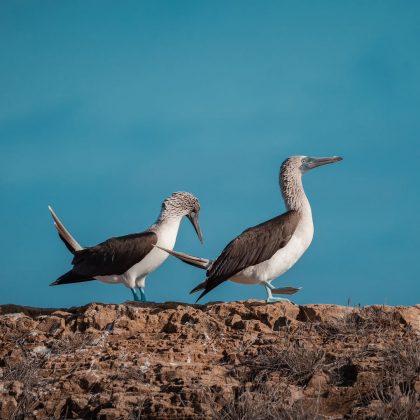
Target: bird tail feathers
[(69, 277), (71, 243), (286, 290), (202, 263), (199, 287)]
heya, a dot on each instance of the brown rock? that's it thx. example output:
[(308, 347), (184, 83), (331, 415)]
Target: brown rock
[(173, 360), (51, 325), (317, 385), (411, 315), (8, 406)]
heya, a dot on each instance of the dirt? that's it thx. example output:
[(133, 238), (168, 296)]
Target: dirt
[(238, 360)]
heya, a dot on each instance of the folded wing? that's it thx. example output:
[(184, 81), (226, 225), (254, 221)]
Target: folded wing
[(112, 257), (253, 246)]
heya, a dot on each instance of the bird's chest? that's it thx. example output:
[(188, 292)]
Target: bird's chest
[(148, 264), (166, 235), (286, 257), (283, 259)]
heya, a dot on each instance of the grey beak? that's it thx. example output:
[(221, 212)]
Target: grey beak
[(193, 218), (315, 162)]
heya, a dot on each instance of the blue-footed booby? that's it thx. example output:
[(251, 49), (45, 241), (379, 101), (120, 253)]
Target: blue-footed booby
[(266, 251), (129, 259)]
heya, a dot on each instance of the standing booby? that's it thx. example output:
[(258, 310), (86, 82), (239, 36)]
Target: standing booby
[(266, 251), (129, 259)]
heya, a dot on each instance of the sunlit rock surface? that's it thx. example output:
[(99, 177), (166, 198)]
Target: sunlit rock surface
[(221, 360)]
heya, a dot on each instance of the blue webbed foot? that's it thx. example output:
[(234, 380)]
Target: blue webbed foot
[(276, 299), (135, 295), (269, 288), (142, 294)]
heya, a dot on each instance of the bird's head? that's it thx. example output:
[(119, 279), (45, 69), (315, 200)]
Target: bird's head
[(302, 164), (180, 204)]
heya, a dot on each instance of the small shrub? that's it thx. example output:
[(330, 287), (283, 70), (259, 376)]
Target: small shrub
[(297, 364), (28, 373), (263, 402)]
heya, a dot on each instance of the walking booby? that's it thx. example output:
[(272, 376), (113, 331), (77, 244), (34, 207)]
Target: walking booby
[(129, 259), (266, 251)]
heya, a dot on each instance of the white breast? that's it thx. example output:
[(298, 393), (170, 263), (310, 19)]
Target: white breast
[(283, 259), (166, 233)]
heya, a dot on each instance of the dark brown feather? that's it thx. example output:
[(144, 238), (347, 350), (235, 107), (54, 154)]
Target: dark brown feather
[(253, 246), (114, 256)]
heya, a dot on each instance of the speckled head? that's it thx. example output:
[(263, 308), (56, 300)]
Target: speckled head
[(180, 204), (291, 172), (302, 164)]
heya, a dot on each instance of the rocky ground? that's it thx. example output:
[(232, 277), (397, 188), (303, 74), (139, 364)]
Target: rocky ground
[(239, 360)]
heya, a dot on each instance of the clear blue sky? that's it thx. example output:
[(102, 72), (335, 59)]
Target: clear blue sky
[(108, 107)]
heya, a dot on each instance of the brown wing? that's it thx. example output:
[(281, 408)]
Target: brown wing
[(114, 256), (253, 246)]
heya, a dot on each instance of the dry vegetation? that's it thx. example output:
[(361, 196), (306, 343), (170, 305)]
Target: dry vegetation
[(250, 363), (392, 393)]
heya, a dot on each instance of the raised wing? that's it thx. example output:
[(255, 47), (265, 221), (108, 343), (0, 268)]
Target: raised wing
[(253, 246), (114, 256), (71, 243)]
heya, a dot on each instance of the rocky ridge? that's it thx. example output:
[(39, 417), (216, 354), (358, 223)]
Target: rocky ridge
[(220, 360)]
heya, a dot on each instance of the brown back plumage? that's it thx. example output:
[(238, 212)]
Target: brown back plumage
[(253, 246), (112, 257)]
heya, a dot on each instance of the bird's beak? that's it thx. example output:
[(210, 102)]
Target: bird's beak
[(315, 162), (193, 218)]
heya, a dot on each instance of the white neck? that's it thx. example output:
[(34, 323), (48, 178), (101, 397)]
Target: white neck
[(166, 231), (165, 221), (293, 193)]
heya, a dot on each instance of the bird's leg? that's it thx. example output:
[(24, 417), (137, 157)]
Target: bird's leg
[(142, 294), (270, 298), (268, 285), (135, 295)]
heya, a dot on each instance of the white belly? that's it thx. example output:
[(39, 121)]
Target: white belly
[(135, 276), (282, 260)]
